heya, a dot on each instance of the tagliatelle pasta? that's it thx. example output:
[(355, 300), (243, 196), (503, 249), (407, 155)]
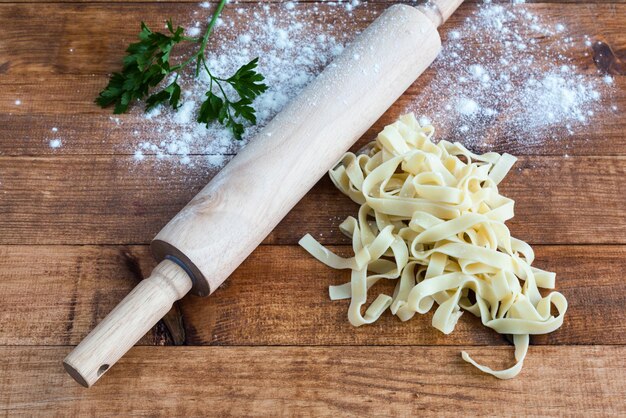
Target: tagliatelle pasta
[(431, 218)]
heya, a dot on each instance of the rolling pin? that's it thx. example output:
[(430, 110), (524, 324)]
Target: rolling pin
[(202, 245)]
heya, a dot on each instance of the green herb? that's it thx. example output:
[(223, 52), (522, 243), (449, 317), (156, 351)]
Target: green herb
[(147, 63)]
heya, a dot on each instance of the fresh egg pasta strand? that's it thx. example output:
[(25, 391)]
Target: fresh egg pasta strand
[(432, 218)]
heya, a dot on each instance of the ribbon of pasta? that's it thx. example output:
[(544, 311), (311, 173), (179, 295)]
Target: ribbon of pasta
[(431, 218)]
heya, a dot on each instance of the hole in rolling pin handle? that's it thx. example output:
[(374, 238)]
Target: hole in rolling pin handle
[(103, 369)]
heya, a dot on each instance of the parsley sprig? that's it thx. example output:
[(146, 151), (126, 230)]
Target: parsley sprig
[(147, 63)]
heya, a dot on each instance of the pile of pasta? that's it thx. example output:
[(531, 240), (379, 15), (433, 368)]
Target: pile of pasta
[(431, 218)]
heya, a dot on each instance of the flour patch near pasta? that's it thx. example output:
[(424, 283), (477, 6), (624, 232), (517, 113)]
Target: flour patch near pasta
[(507, 73)]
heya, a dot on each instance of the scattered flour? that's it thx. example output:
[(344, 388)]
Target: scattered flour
[(194, 31), (55, 143), (467, 106), (139, 156), (290, 57), (503, 73)]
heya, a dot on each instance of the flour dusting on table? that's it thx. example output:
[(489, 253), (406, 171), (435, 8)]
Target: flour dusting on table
[(503, 66), (504, 72), (293, 45)]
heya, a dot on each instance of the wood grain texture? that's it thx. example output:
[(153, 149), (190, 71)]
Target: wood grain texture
[(318, 381), (67, 48), (57, 301), (279, 296), (59, 38), (89, 192), (105, 200)]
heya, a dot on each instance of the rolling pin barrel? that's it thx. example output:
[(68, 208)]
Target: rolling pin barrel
[(228, 219)]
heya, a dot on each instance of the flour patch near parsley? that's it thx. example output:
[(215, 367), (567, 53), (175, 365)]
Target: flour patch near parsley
[(293, 43)]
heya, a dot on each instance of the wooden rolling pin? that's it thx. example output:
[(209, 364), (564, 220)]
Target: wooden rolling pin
[(242, 204)]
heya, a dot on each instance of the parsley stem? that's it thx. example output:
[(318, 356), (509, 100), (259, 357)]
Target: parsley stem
[(206, 67), (212, 23), (184, 64), (205, 38), (219, 85), (216, 82)]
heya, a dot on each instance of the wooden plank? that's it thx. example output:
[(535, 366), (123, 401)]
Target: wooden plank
[(110, 200), (97, 133), (67, 38), (65, 287), (65, 48), (318, 381), (279, 296), (84, 199), (76, 42)]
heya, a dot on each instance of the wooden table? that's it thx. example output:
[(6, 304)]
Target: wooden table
[(75, 224)]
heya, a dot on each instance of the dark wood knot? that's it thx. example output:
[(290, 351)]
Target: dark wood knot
[(607, 60)]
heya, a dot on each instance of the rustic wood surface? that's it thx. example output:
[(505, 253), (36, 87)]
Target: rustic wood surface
[(75, 223), (84, 283), (318, 381)]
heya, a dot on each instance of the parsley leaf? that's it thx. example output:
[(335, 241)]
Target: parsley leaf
[(247, 82), (248, 85), (170, 94), (148, 62), (145, 65), (212, 109)]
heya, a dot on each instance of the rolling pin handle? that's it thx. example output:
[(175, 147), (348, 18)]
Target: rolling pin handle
[(136, 314), (438, 11)]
